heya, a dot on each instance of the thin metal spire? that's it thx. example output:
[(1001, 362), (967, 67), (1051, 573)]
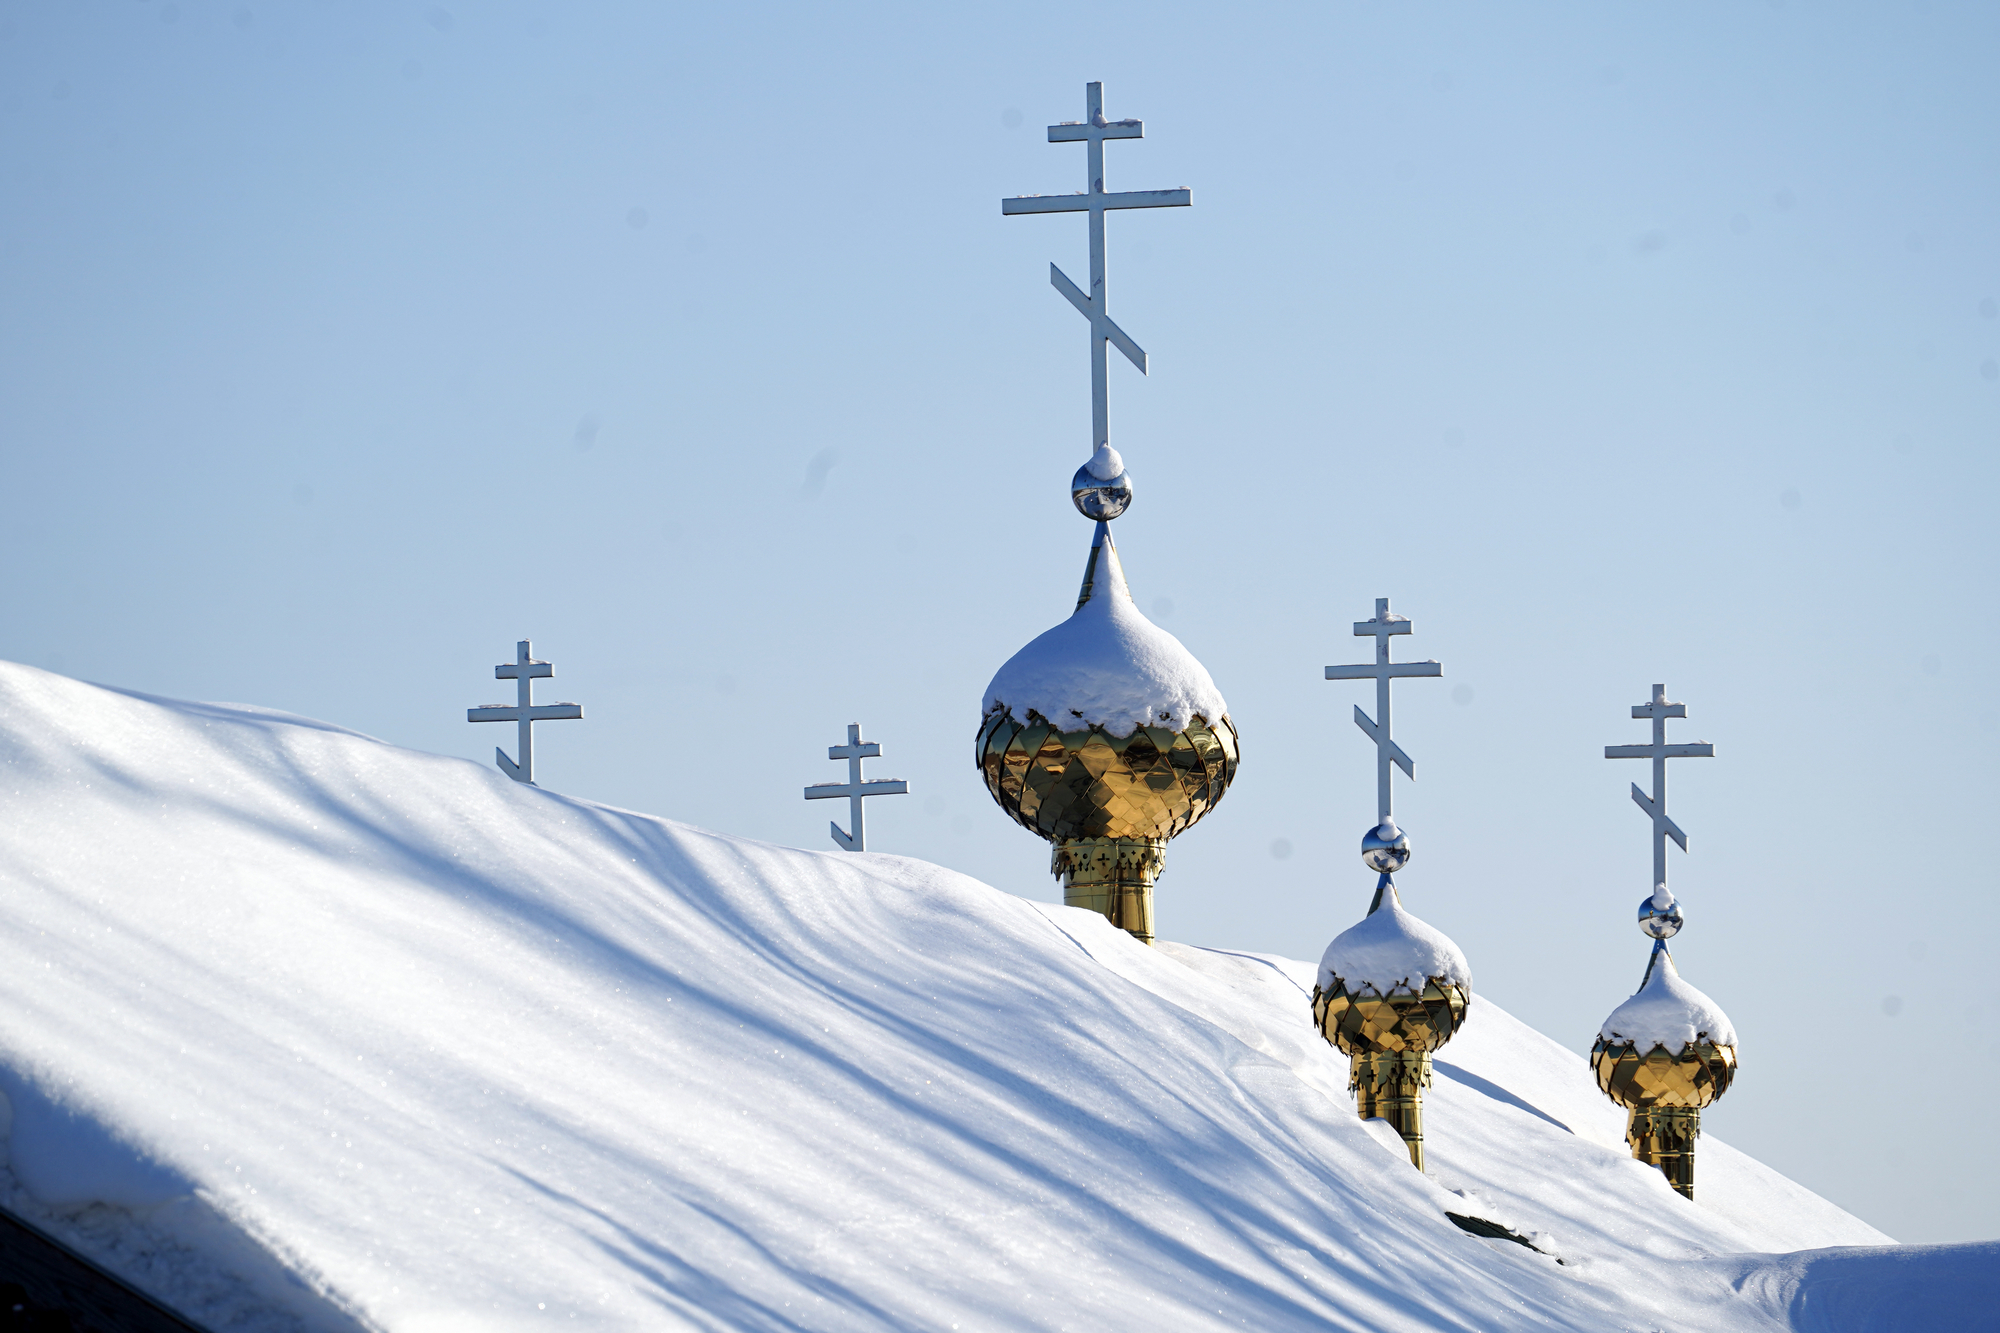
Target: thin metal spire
[(1093, 131), (1382, 671), (524, 670), (1655, 806)]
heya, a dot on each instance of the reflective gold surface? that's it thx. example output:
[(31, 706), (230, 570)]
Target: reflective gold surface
[(1151, 785), (1390, 1085), (1664, 1093), (1389, 1040), (1664, 1137), (1108, 803), (1112, 876)]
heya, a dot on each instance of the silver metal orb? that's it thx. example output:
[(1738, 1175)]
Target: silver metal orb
[(1660, 923), (1385, 849), (1096, 498)]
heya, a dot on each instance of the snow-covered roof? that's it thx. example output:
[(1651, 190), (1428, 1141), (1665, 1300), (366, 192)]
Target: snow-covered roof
[(1389, 948), (331, 1035), (1107, 665), (1668, 1012)]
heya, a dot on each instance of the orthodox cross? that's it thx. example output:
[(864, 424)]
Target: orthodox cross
[(854, 789), (524, 670), (1659, 710), (1382, 670), (1093, 131)]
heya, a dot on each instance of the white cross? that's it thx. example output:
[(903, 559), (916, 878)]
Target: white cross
[(1659, 710), (1094, 130), (854, 789), (1382, 671), (524, 670)]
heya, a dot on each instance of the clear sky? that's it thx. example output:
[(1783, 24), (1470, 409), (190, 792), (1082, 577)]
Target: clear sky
[(343, 345)]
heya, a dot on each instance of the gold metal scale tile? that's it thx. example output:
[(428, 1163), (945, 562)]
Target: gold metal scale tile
[(1108, 803), (1388, 1040), (1664, 1094), (1152, 784)]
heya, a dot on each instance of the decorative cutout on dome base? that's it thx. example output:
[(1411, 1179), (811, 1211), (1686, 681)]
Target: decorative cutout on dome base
[(1112, 877)]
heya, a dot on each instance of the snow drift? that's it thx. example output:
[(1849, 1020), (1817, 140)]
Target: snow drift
[(341, 1036)]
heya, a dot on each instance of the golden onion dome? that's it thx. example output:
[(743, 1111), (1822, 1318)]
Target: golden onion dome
[(1106, 737), (1669, 1045), (1391, 982), (1391, 990), (1663, 1055)]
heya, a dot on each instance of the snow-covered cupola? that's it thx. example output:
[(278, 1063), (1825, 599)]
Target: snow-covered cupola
[(1104, 735), (1668, 1051), (1391, 988)]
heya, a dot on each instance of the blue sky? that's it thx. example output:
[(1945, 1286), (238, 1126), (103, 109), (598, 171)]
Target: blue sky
[(343, 345)]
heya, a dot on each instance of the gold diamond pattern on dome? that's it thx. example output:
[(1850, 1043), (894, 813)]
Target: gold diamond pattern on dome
[(1664, 1094), (1108, 803), (1692, 1079), (1388, 1040), (1151, 785)]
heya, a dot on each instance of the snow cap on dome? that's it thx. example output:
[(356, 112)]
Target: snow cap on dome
[(1107, 665), (1667, 1012), (1105, 464), (1390, 950)]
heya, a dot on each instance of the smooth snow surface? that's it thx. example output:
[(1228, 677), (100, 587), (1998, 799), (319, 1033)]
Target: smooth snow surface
[(1108, 666), (1105, 464), (1390, 950), (1933, 1288), (420, 1048), (1668, 1012)]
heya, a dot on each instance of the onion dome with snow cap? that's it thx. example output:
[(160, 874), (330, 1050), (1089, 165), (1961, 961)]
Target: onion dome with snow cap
[(1669, 1050), (1105, 736), (1391, 989), (1665, 1054), (1391, 956)]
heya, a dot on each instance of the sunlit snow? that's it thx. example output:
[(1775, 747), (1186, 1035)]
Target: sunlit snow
[(1668, 1012), (343, 1036), (1109, 666), (1389, 950)]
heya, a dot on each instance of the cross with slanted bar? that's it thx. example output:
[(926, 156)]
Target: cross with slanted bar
[(1382, 670), (1093, 131), (524, 670), (854, 789), (1659, 710)]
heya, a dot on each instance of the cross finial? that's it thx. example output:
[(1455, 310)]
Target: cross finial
[(1655, 806), (1093, 131), (524, 670), (1384, 626), (854, 789)]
